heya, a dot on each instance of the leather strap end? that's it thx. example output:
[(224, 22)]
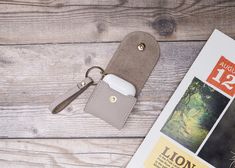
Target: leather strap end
[(64, 100)]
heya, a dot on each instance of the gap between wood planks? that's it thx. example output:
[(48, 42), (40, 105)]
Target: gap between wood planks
[(104, 42)]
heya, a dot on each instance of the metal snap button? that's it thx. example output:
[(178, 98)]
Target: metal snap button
[(141, 47), (112, 99), (83, 83)]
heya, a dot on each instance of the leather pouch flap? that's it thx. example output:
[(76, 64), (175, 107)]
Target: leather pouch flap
[(135, 59)]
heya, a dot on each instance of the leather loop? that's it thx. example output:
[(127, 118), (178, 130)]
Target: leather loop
[(64, 100)]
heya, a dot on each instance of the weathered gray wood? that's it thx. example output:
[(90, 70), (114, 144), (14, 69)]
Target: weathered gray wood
[(67, 153), (33, 75), (65, 21)]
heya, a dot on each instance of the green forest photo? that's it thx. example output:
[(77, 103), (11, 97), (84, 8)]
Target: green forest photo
[(195, 114)]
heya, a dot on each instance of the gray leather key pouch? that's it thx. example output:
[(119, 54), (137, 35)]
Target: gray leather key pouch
[(110, 105), (113, 100), (133, 61)]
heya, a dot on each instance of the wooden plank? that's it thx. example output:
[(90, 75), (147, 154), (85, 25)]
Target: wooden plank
[(32, 76), (67, 153), (66, 21), (126, 3)]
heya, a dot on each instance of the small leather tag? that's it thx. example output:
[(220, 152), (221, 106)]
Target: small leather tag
[(135, 59)]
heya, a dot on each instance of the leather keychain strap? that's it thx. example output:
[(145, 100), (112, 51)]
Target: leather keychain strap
[(64, 100), (135, 59)]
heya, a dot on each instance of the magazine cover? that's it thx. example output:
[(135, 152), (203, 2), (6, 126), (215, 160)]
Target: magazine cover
[(196, 128)]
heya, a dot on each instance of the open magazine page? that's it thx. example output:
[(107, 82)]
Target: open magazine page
[(196, 128)]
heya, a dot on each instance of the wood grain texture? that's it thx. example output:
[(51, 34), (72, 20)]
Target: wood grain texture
[(32, 76), (64, 153), (66, 21)]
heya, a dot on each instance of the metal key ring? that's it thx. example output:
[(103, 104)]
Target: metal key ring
[(92, 68)]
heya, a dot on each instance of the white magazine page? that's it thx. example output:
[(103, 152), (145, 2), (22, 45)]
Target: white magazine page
[(193, 112)]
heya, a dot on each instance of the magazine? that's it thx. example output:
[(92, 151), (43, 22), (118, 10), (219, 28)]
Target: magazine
[(196, 129)]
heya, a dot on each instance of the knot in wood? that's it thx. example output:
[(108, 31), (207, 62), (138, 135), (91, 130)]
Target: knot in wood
[(165, 25)]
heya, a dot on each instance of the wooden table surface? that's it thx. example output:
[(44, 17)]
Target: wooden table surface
[(47, 45)]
